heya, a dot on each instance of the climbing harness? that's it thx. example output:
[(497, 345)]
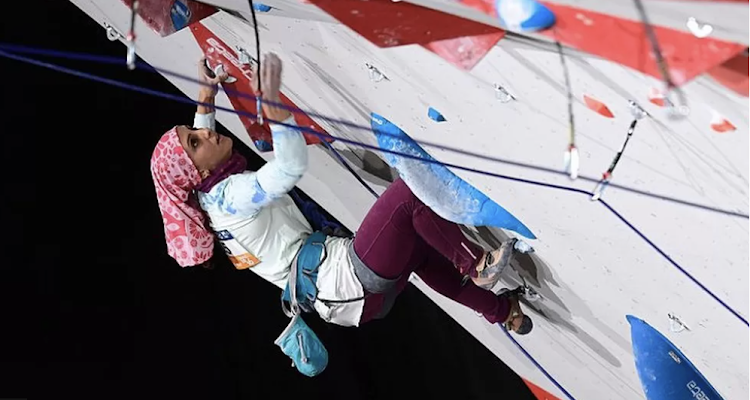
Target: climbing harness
[(677, 111), (637, 113), (571, 154), (130, 59)]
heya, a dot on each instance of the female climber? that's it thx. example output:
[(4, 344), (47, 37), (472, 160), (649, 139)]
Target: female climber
[(204, 192)]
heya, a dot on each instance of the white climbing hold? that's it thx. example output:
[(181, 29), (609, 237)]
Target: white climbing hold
[(219, 69), (112, 33), (675, 324), (243, 56), (375, 74), (531, 295), (502, 94), (698, 30), (637, 111), (523, 247)]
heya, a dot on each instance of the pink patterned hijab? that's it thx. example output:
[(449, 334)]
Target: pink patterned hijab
[(175, 177)]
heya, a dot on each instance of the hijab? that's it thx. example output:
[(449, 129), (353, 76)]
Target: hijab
[(175, 178)]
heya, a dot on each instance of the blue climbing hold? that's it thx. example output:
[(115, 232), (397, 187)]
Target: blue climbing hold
[(443, 191), (263, 146), (435, 115), (524, 15), (260, 7), (665, 372)]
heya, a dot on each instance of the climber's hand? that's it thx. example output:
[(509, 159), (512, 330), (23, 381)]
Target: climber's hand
[(210, 80), (270, 87)]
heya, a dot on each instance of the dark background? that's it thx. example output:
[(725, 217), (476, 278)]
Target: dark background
[(92, 306)]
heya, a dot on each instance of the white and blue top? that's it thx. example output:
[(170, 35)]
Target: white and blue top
[(261, 228)]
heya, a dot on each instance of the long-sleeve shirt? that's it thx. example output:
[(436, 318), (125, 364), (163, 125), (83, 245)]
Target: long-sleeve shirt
[(262, 229)]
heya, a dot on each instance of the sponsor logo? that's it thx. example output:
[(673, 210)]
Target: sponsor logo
[(224, 235), (697, 392)]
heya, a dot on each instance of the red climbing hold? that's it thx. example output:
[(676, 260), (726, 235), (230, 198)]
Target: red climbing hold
[(721, 124), (656, 96), (540, 393), (598, 106)]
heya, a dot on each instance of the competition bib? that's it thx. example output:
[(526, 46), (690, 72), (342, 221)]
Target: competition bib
[(237, 254)]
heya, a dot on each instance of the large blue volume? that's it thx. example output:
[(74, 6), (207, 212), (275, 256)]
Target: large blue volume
[(443, 191), (666, 373)]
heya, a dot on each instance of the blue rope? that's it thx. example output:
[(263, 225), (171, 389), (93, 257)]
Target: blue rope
[(533, 360), (147, 67), (376, 148)]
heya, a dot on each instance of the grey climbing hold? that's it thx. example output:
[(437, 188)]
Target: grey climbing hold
[(435, 115)]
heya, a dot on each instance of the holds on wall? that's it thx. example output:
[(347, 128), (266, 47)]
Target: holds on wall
[(720, 124), (597, 106), (435, 115)]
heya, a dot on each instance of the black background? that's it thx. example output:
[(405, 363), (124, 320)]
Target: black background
[(93, 307)]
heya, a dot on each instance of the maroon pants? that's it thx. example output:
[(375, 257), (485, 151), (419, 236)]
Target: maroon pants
[(400, 235)]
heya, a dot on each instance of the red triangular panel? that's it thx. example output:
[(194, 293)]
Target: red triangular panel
[(540, 393), (733, 74), (389, 24), (465, 52), (625, 42)]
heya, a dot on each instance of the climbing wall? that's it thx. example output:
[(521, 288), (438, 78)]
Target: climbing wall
[(670, 238)]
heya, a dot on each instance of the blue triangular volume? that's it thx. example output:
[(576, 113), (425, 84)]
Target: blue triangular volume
[(665, 373), (524, 15), (435, 185)]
